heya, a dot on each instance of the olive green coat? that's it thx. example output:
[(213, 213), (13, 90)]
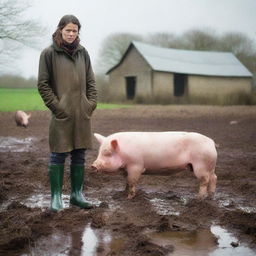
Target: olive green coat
[(67, 86)]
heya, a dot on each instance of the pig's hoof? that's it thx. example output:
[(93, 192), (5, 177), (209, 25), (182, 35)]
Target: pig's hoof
[(130, 196), (211, 196), (201, 197)]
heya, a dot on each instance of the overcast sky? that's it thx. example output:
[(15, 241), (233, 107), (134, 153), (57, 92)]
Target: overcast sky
[(99, 18)]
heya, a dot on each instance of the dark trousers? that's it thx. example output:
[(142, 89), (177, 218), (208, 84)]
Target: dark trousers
[(77, 157)]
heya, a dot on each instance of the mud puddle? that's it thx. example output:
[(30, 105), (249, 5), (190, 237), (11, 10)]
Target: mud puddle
[(12, 144), (164, 207), (215, 241), (89, 242), (43, 201), (230, 201)]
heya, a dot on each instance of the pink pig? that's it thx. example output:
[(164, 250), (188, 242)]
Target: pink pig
[(138, 152), (21, 118)]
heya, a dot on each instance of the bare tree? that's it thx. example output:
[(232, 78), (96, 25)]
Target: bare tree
[(113, 48), (241, 45), (199, 39), (162, 39), (16, 30), (237, 42)]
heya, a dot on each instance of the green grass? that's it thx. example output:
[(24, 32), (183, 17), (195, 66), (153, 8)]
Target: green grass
[(29, 99)]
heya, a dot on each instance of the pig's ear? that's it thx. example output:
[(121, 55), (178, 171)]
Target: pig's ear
[(114, 144), (99, 137)]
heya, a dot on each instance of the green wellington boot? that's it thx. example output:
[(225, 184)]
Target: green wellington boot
[(56, 181), (77, 181)]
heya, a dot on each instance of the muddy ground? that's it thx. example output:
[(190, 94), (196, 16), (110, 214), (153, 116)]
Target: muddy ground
[(163, 203)]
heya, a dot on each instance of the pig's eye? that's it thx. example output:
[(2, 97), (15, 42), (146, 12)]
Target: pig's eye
[(107, 153)]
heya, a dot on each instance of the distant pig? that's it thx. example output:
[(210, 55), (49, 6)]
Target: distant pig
[(21, 118), (158, 152)]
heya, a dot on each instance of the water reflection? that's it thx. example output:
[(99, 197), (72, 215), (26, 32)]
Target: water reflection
[(12, 144), (215, 241), (163, 207), (88, 242), (205, 242), (224, 244), (43, 200), (98, 242), (76, 244), (199, 243), (55, 244)]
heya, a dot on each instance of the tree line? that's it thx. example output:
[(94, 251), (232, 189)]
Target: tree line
[(115, 45), (241, 45), (16, 31), (15, 81)]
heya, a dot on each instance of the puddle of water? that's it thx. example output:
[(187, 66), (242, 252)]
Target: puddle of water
[(98, 242), (198, 243), (240, 203), (43, 201), (12, 144), (247, 209), (55, 244), (90, 242), (163, 207), (205, 242), (225, 248)]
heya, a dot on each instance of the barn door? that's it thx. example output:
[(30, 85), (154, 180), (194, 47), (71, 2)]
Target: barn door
[(180, 83), (130, 87)]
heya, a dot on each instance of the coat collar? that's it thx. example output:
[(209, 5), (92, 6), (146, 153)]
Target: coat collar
[(59, 49)]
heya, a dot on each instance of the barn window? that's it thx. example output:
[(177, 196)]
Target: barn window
[(130, 87), (180, 81)]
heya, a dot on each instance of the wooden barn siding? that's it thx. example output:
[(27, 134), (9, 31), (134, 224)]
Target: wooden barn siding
[(133, 65), (213, 86)]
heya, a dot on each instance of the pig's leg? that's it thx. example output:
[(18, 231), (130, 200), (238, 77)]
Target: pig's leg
[(134, 173), (203, 184), (212, 185), (204, 178)]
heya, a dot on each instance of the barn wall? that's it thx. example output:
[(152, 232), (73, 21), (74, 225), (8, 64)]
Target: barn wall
[(212, 86), (157, 86), (163, 85), (132, 65)]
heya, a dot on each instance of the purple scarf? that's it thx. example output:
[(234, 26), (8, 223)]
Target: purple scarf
[(70, 48)]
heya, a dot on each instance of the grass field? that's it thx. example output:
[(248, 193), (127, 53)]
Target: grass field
[(29, 99)]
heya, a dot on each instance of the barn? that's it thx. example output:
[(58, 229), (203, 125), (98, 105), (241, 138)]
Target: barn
[(148, 73)]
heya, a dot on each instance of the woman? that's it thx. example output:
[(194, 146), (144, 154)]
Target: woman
[(66, 84)]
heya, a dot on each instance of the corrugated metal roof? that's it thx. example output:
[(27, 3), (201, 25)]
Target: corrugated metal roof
[(191, 62)]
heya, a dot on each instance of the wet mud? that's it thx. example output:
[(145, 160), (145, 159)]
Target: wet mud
[(164, 218)]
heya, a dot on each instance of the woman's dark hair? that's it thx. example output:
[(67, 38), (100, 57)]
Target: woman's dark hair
[(65, 20), (69, 19)]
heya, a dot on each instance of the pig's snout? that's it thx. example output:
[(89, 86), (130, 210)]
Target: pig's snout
[(96, 166), (93, 166)]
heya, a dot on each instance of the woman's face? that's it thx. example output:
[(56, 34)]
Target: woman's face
[(70, 33)]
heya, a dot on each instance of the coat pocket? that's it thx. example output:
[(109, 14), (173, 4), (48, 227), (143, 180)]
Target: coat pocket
[(87, 107), (61, 112), (60, 134)]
